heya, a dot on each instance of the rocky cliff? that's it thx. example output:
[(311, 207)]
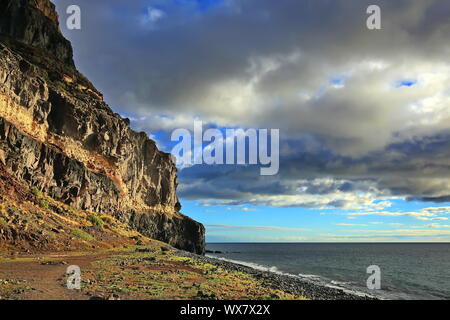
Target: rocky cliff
[(58, 135)]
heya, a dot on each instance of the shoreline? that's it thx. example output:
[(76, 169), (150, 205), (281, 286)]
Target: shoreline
[(284, 282), (155, 271)]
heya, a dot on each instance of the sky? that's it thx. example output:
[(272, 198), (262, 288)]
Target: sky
[(364, 115)]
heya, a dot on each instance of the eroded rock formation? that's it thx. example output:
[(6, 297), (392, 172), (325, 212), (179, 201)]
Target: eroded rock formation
[(57, 133)]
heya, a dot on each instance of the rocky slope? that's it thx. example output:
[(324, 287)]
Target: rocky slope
[(58, 135)]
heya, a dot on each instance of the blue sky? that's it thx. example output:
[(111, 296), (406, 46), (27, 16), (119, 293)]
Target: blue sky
[(268, 224), (363, 115)]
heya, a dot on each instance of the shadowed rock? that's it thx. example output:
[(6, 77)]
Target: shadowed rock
[(57, 133)]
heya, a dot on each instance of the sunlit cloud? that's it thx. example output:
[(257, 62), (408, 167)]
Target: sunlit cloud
[(252, 228), (426, 214)]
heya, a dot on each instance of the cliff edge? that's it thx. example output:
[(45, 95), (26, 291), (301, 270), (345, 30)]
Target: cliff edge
[(59, 136)]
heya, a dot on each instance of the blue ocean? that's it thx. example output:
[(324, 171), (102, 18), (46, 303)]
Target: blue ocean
[(408, 270)]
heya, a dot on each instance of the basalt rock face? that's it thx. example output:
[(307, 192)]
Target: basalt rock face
[(57, 133), (177, 231), (33, 22)]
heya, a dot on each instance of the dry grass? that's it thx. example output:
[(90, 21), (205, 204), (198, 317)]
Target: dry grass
[(160, 275)]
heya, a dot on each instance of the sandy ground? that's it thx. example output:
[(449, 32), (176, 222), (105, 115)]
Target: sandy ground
[(45, 276)]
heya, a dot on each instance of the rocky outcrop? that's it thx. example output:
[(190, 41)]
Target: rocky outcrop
[(57, 133), (35, 22), (177, 231)]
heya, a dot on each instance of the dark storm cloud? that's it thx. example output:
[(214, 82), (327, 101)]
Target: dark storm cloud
[(416, 170), (350, 136)]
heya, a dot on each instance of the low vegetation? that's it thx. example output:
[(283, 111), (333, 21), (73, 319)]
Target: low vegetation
[(96, 221), (156, 274), (38, 223), (80, 234)]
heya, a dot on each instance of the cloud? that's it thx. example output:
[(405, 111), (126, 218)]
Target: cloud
[(424, 234), (250, 238), (152, 15), (251, 228), (436, 225), (240, 187), (426, 214), (431, 219), (364, 115), (433, 226)]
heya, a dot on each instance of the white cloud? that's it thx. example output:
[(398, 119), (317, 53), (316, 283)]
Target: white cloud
[(251, 228), (351, 225), (218, 68), (152, 15), (426, 214)]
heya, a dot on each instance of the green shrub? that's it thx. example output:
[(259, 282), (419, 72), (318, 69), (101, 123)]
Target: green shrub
[(38, 193), (43, 203), (96, 221), (107, 219), (3, 222), (80, 234)]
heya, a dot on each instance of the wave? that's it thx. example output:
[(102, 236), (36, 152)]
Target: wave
[(252, 265), (312, 278)]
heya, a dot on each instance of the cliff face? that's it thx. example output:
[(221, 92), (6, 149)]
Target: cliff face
[(57, 134), (35, 22)]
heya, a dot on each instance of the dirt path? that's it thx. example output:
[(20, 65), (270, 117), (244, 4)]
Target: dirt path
[(44, 277), (141, 273)]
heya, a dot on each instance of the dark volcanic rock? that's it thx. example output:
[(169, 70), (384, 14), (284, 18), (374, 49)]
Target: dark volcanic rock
[(285, 282), (177, 231), (59, 176), (57, 133), (35, 23)]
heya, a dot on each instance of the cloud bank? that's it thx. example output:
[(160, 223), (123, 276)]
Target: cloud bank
[(364, 115)]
